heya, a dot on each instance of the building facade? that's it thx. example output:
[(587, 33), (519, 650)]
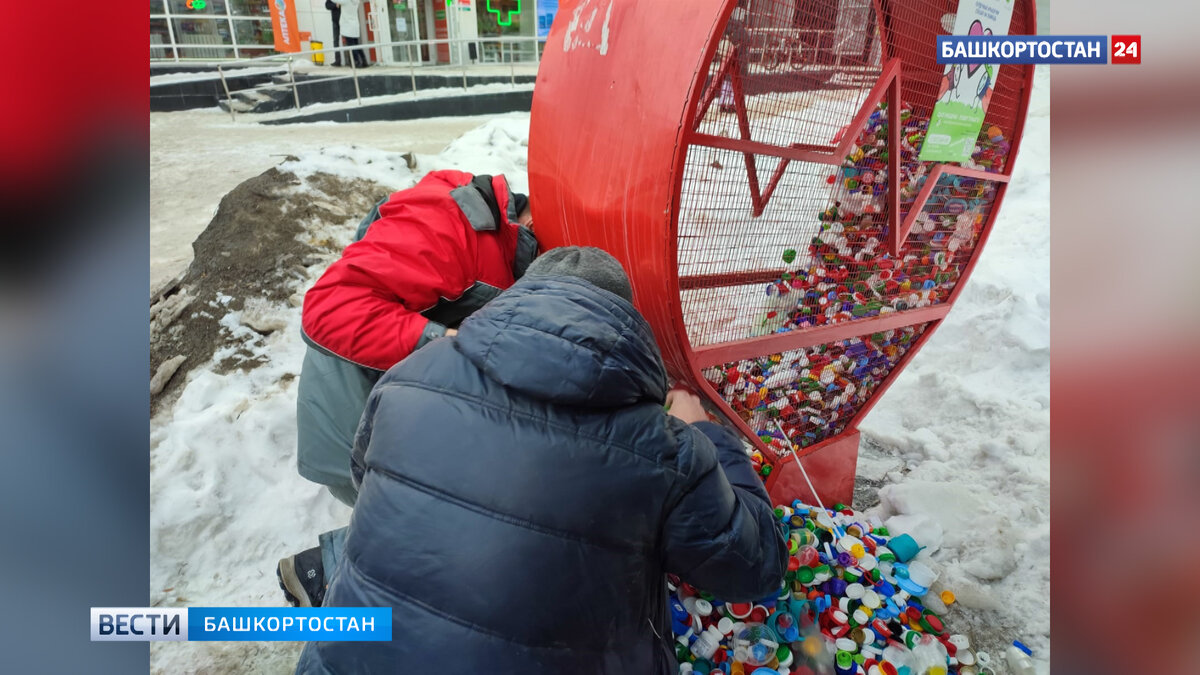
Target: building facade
[(215, 30)]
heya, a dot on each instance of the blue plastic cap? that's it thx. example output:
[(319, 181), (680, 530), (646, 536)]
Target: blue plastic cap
[(678, 611), (1018, 645), (912, 589)]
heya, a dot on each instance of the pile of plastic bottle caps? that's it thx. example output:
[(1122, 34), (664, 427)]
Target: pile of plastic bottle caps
[(848, 274), (810, 393), (850, 604), (845, 273)]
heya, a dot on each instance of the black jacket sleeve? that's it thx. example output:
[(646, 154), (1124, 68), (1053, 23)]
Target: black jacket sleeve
[(721, 534)]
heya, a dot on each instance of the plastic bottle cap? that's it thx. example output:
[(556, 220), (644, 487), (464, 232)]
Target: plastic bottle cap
[(703, 607), (846, 645), (871, 599), (740, 610), (1018, 645), (805, 575), (932, 624), (725, 625), (855, 591), (948, 597)]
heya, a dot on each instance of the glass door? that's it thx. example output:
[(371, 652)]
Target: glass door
[(402, 22)]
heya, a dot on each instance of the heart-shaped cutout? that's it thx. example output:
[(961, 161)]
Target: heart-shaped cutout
[(976, 29)]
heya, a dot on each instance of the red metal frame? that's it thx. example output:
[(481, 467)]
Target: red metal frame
[(888, 85), (900, 232), (608, 127)]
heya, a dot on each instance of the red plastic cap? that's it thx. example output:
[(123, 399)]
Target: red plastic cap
[(739, 609)]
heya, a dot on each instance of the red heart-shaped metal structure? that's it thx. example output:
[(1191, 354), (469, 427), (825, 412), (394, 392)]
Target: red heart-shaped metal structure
[(753, 164)]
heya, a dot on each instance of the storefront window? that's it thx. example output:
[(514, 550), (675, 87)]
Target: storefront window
[(493, 23), (507, 18), (546, 11), (159, 35), (198, 7), (254, 38), (250, 8), (203, 37), (156, 7)]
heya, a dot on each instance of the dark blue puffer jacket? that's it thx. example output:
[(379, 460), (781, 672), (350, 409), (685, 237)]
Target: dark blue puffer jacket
[(524, 494)]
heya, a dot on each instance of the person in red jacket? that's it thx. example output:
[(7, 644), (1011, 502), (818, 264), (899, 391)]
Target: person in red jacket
[(424, 259), (438, 252)]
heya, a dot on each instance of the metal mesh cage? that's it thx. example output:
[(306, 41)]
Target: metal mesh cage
[(755, 168), (803, 396), (774, 238)]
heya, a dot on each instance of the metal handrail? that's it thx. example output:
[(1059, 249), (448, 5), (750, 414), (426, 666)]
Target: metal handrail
[(287, 61)]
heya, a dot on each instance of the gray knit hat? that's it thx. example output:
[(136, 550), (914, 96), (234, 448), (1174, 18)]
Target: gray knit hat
[(586, 262)]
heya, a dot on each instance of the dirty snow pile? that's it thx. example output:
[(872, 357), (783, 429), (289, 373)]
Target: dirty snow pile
[(959, 446)]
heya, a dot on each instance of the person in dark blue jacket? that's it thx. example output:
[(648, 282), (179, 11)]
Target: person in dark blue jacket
[(522, 493)]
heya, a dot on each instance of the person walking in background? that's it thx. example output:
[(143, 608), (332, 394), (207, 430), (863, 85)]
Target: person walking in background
[(351, 31), (335, 12), (523, 494)]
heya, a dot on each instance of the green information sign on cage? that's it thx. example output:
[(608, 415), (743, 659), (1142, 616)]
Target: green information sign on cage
[(966, 87)]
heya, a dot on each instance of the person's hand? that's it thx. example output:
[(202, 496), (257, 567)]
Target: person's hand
[(686, 406), (451, 331)]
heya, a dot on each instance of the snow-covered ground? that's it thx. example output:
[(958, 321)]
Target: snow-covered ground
[(452, 89), (960, 443), (214, 74), (197, 156)]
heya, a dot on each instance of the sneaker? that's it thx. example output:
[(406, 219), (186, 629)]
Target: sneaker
[(302, 578)]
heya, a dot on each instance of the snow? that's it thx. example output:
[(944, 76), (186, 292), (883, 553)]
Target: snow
[(200, 76), (226, 501), (960, 441), (968, 422), (200, 155), (438, 92)]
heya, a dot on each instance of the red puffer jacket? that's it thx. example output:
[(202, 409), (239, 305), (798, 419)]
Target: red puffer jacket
[(438, 252)]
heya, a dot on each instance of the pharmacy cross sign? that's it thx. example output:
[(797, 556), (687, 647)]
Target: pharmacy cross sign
[(510, 12), (504, 22)]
